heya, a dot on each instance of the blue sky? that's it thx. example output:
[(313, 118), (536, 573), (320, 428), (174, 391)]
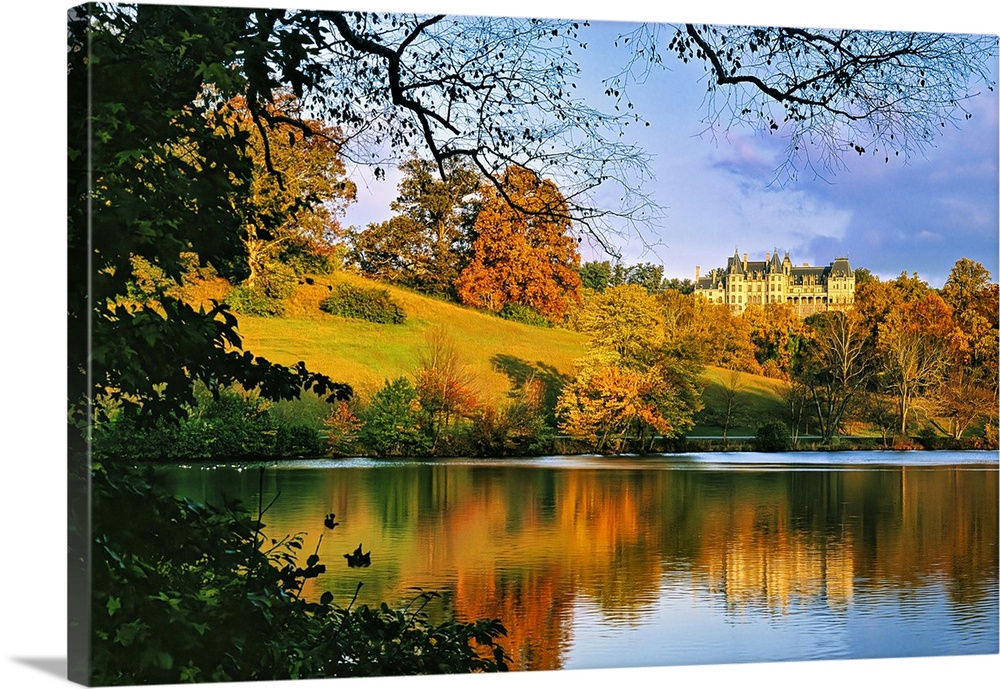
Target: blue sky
[(917, 215)]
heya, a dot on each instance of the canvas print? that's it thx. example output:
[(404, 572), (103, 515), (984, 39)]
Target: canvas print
[(404, 343)]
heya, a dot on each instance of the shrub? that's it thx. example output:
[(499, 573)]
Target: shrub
[(394, 424), (237, 425), (368, 304), (773, 437), (520, 313), (298, 440), (254, 302)]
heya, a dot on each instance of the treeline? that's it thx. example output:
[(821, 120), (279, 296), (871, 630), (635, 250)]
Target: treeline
[(914, 366), (907, 361)]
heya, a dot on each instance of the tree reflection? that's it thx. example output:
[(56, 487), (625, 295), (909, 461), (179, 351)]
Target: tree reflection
[(529, 544)]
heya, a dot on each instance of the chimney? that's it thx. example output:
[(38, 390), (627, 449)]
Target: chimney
[(767, 257), (697, 273), (744, 261)]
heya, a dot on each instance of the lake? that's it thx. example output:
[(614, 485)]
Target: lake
[(660, 560)]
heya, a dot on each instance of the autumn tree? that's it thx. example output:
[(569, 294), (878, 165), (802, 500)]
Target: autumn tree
[(297, 192), (426, 245), (444, 386), (625, 320), (968, 389), (835, 366), (973, 298), (776, 332), (914, 346), (636, 382), (523, 253), (719, 337)]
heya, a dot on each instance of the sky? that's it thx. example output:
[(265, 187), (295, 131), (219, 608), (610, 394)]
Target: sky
[(722, 194)]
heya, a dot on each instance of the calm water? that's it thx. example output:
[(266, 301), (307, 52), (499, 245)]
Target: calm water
[(666, 560)]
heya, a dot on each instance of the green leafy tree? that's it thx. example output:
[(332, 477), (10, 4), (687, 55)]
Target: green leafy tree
[(394, 423), (427, 244), (595, 275), (647, 275)]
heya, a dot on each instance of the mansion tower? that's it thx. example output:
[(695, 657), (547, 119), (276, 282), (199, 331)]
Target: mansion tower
[(805, 288)]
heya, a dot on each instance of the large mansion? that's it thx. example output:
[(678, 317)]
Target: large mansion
[(807, 289)]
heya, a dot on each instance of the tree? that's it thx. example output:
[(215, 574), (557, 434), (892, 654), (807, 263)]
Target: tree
[(975, 304), (729, 413), (394, 423), (962, 399), (427, 245), (875, 408), (796, 397), (834, 365), (969, 389), (684, 286), (444, 386), (595, 275), (777, 333), (636, 380), (646, 275), (523, 257), (161, 184), (292, 211), (914, 346), (711, 331), (835, 92), (626, 320), (613, 405)]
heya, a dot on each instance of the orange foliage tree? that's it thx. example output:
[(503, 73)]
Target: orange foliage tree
[(523, 252), (635, 382)]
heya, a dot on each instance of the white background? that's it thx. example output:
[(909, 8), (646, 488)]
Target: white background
[(32, 332)]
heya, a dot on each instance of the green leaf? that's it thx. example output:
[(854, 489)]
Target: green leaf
[(114, 604)]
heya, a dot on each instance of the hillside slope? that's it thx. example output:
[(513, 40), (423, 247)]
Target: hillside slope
[(366, 354), (495, 352)]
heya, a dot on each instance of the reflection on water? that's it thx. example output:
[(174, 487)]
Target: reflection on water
[(611, 562)]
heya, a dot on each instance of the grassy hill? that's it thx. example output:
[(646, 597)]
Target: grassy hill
[(495, 351), (366, 354)]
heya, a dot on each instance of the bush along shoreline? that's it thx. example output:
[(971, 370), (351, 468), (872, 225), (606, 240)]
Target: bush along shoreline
[(241, 427)]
